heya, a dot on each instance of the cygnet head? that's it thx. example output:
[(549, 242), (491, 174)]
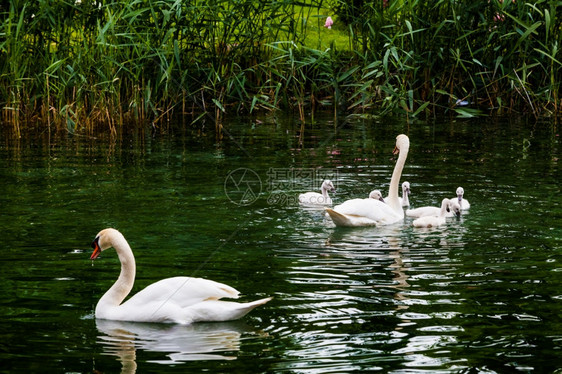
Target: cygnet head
[(377, 195), (454, 207), (406, 188), (460, 193), (105, 239), (328, 186)]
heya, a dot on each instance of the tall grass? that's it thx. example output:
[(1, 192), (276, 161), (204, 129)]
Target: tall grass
[(493, 55), (98, 66)]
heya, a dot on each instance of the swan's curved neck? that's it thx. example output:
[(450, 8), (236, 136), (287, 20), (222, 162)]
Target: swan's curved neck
[(325, 193), (395, 180), (444, 207), (121, 288)]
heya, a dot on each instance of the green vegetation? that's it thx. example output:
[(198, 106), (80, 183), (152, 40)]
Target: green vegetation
[(87, 66)]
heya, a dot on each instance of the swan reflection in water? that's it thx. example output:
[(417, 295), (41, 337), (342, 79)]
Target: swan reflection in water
[(180, 343)]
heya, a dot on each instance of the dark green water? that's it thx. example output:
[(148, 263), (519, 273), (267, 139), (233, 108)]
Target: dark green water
[(481, 294)]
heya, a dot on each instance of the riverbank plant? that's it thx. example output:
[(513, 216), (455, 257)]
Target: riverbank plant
[(92, 66)]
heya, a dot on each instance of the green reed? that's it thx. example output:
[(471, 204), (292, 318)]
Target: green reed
[(497, 55), (89, 67)]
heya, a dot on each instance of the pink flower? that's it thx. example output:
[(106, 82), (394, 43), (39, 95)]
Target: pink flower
[(329, 22), (499, 17)]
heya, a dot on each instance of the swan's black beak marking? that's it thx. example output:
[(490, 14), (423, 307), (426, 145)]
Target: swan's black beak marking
[(97, 249)]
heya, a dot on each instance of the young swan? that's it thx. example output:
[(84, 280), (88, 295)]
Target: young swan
[(376, 194), (173, 300), (428, 211), (447, 206), (315, 198), (465, 205)]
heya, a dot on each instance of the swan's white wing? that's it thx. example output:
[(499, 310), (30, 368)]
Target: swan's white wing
[(181, 291), (429, 221), (423, 211), (218, 310), (345, 220), (181, 300), (374, 210), (364, 212)]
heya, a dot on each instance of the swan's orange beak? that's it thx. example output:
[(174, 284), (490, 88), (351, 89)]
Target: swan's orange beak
[(395, 151), (97, 249)]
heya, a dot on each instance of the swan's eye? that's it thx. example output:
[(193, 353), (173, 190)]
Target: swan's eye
[(95, 242)]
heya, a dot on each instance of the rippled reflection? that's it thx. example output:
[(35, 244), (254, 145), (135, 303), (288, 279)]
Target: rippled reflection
[(356, 287), (178, 343)]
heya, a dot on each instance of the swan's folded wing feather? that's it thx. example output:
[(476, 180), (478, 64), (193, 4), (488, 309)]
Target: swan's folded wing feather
[(369, 209), (182, 291), (218, 310), (423, 211), (348, 220)]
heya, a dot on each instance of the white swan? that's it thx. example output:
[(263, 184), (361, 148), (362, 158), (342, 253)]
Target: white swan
[(376, 194), (448, 206), (404, 200), (428, 210), (174, 300), (465, 205), (371, 212), (315, 198)]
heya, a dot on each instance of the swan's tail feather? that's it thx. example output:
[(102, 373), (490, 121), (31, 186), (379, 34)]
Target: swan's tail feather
[(220, 311), (338, 218), (259, 302), (350, 220), (246, 308)]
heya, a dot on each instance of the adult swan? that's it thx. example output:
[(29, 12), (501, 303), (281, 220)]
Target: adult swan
[(371, 212), (174, 300)]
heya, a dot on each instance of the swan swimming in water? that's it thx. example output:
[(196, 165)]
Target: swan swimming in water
[(448, 206), (315, 198), (371, 212), (173, 300), (428, 211), (465, 205)]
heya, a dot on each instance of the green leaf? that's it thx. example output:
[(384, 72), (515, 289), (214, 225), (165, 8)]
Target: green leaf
[(219, 105), (420, 109)]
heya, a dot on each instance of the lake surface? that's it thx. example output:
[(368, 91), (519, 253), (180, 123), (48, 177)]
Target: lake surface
[(481, 294)]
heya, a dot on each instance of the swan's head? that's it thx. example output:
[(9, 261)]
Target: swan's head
[(402, 144), (377, 195), (460, 193), (328, 185), (454, 207), (406, 188), (104, 240)]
